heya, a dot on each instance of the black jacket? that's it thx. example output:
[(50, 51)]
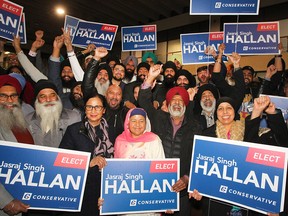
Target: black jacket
[(76, 138)]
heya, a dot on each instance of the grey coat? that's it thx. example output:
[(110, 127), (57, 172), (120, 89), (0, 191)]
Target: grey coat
[(53, 139)]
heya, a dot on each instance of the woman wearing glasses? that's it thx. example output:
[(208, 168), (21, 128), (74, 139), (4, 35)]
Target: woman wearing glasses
[(91, 135)]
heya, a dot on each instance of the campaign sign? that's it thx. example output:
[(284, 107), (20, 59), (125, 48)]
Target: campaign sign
[(138, 186), (193, 46), (281, 103), (252, 38), (94, 33), (224, 7), (245, 174), (22, 30), (139, 38), (10, 18), (45, 178), (71, 22)]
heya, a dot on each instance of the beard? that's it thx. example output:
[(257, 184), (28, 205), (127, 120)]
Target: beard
[(77, 102), (169, 81), (12, 118), (208, 108), (141, 78), (129, 74), (68, 83), (49, 115), (176, 110), (101, 88)]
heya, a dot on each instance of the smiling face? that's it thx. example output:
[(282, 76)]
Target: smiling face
[(225, 113), (176, 106), (94, 110), (137, 125), (114, 96)]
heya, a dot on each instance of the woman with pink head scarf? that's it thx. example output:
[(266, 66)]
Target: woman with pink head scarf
[(137, 141)]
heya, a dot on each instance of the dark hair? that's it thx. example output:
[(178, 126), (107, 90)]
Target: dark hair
[(101, 97), (9, 70), (202, 68), (251, 69)]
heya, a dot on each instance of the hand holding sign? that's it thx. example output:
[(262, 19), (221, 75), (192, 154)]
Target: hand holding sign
[(67, 39), (16, 44), (98, 161), (181, 184), (195, 194), (235, 59), (15, 207)]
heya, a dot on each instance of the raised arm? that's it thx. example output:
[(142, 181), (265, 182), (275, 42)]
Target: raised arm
[(29, 68)]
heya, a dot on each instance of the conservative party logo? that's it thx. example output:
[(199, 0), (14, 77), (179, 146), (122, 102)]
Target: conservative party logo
[(27, 196), (218, 5)]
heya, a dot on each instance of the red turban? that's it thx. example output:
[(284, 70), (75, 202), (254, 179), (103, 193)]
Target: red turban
[(8, 80), (177, 91)]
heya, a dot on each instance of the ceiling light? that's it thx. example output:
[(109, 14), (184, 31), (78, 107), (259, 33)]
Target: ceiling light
[(60, 11)]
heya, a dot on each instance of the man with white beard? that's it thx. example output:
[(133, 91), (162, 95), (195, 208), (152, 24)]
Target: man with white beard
[(50, 120), (103, 79), (207, 95), (176, 129), (12, 128)]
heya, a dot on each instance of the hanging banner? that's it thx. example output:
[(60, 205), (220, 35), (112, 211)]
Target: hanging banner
[(193, 46), (139, 186), (102, 35), (139, 38), (224, 7), (252, 38), (45, 178), (245, 174), (10, 19)]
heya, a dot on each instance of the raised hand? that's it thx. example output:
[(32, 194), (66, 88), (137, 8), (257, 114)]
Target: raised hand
[(221, 48), (192, 92), (235, 59), (271, 70), (67, 39), (100, 52), (260, 104), (58, 42), (16, 43)]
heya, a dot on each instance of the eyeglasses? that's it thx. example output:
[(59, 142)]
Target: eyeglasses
[(90, 107), (5, 97)]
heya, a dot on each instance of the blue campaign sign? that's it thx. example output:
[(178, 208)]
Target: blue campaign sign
[(245, 174), (224, 7), (71, 22), (193, 46), (135, 186), (139, 38), (45, 178), (252, 38), (22, 30), (10, 18), (94, 33)]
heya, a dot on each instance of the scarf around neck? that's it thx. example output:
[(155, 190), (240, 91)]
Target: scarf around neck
[(236, 132), (103, 145)]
